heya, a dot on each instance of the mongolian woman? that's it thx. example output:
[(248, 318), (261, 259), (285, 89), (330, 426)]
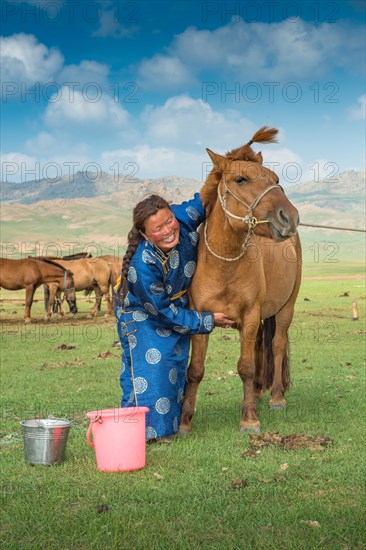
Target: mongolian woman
[(153, 316)]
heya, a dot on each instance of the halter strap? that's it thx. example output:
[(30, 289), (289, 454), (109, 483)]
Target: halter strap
[(249, 219)]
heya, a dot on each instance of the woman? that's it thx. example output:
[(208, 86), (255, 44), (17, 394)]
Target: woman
[(153, 316)]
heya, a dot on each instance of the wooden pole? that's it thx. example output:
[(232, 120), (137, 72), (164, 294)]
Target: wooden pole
[(355, 311)]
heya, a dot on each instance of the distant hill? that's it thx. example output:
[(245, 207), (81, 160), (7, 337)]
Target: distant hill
[(341, 202), (90, 185), (97, 216)]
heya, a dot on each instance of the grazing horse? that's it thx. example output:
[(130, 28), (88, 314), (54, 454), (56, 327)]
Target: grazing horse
[(249, 266), (58, 301), (115, 264), (89, 274), (31, 273)]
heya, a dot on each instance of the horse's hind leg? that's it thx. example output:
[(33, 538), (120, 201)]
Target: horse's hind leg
[(195, 374), (29, 294), (106, 296), (281, 375), (98, 300)]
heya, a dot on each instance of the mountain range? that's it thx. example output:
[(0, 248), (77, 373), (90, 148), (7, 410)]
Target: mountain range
[(99, 211)]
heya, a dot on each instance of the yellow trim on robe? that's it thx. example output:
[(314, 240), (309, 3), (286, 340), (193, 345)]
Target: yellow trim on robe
[(179, 294), (116, 287)]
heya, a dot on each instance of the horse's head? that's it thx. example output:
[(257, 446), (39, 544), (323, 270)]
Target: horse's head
[(249, 192), (69, 291)]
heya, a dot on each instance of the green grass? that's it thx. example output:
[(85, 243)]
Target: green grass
[(195, 504)]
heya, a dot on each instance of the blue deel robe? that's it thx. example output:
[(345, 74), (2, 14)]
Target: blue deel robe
[(155, 323)]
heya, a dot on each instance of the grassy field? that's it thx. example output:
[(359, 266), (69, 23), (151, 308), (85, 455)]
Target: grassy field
[(216, 488)]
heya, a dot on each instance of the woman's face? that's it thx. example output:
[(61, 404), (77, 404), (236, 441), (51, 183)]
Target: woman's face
[(162, 229)]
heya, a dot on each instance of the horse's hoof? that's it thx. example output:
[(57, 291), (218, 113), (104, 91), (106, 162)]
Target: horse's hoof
[(47, 319), (27, 321), (277, 405), (250, 427)]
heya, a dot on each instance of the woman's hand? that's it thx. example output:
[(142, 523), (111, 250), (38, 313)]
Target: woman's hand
[(221, 320)]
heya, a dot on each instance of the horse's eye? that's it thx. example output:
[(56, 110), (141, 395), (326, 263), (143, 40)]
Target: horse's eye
[(241, 180)]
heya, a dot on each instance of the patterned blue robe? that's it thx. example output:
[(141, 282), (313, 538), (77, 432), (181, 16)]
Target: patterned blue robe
[(155, 322)]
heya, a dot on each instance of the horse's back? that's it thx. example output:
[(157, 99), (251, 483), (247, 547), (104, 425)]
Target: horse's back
[(16, 274)]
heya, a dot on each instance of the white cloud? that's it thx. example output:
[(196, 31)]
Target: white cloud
[(170, 140), (287, 164), (76, 108), (191, 123), (25, 60), (85, 73), (164, 73), (358, 112), (42, 142), (144, 161), (110, 26), (14, 165), (25, 63), (249, 51)]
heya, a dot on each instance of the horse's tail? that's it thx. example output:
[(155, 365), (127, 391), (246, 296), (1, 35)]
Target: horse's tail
[(264, 358)]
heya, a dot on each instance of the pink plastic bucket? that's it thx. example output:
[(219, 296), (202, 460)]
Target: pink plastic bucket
[(118, 438)]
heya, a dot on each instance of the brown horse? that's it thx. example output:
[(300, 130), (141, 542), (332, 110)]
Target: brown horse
[(30, 274), (115, 264), (89, 274), (249, 266)]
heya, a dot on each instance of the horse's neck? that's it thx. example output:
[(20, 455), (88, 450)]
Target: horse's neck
[(220, 230), (52, 273)]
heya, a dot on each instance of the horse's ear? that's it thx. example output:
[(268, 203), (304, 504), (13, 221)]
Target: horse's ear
[(217, 160), (259, 157)]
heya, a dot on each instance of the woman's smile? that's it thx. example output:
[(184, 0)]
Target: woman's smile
[(162, 230)]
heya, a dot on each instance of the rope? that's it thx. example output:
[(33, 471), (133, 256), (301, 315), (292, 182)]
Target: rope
[(332, 227), (244, 246)]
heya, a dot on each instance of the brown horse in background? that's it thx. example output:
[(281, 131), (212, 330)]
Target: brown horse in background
[(89, 274), (31, 273), (249, 266), (115, 264)]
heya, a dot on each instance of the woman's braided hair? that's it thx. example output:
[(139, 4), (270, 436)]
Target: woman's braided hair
[(141, 213)]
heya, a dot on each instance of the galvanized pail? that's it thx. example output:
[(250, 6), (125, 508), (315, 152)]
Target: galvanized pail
[(45, 440)]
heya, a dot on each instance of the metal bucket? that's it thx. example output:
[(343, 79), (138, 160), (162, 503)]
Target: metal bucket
[(45, 440)]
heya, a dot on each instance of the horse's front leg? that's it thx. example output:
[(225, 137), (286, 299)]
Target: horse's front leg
[(29, 294), (246, 369), (51, 300), (195, 374), (58, 303)]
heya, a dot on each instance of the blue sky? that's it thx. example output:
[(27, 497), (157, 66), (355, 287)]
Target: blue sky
[(143, 87)]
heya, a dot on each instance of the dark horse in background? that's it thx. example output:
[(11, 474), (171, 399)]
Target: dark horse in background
[(31, 273), (249, 266)]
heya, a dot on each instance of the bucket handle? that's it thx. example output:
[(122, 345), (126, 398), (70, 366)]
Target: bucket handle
[(98, 418)]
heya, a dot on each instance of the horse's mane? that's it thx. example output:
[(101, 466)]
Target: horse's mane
[(244, 152), (48, 260)]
